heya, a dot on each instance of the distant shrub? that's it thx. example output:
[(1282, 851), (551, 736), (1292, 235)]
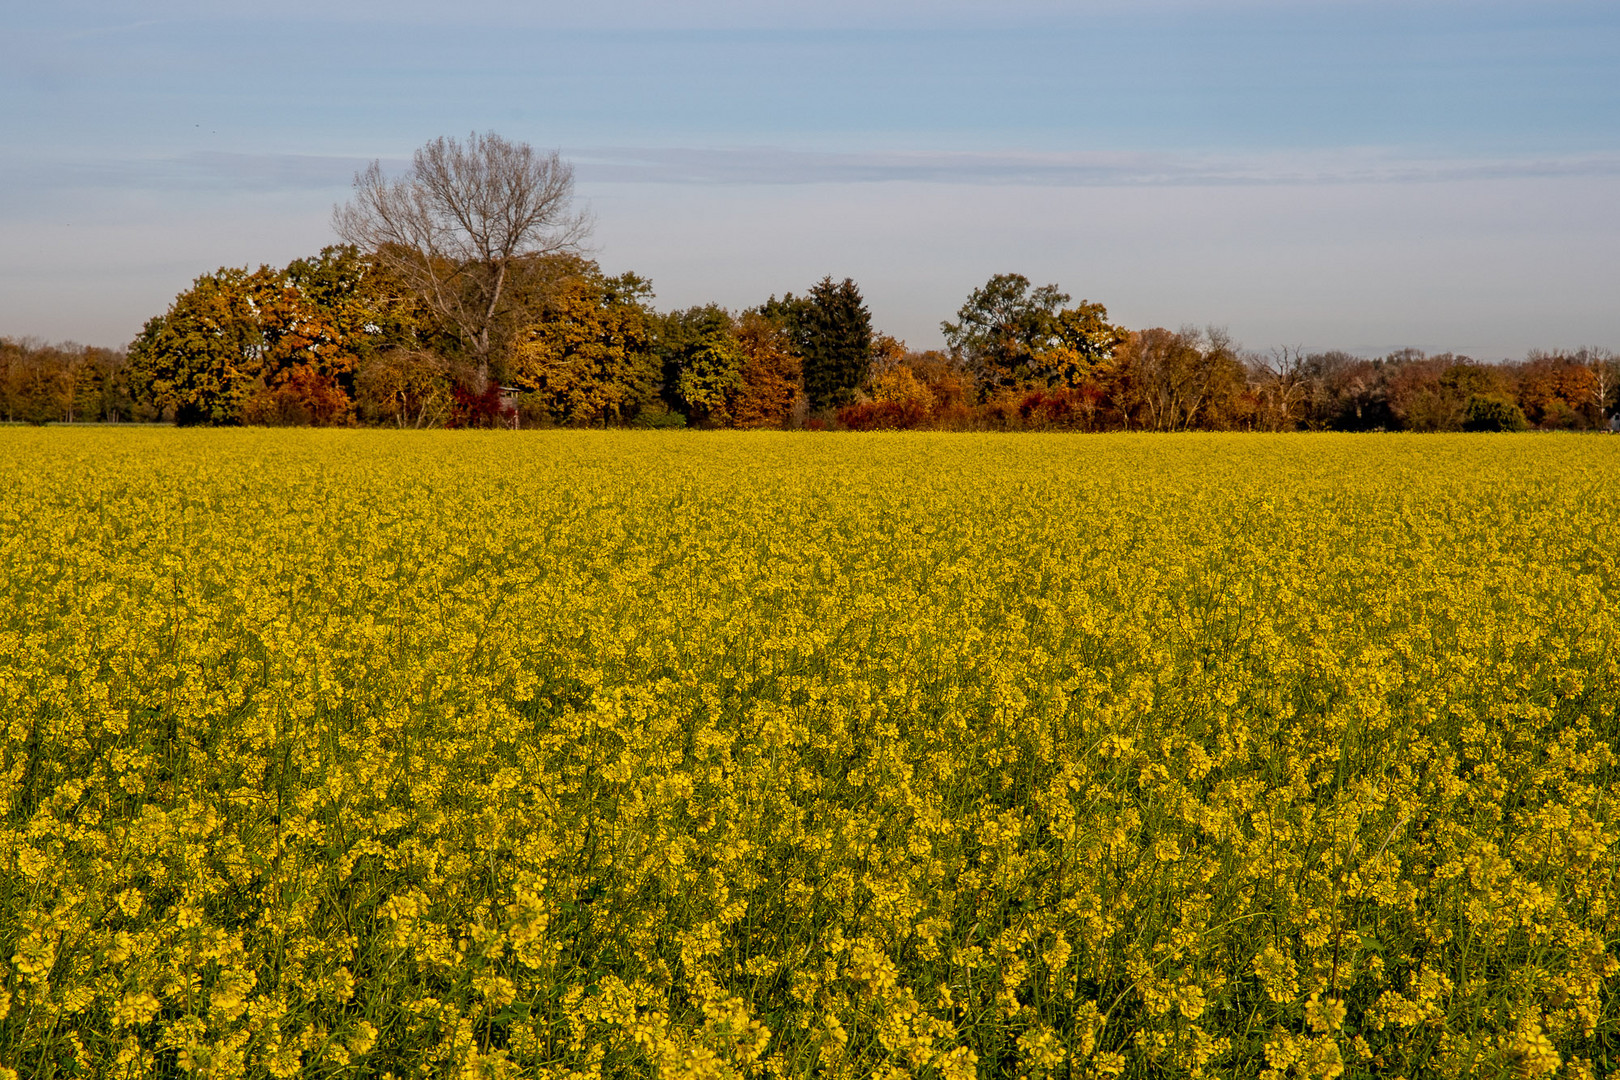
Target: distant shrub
[(1560, 416), (954, 417), (1063, 408), (1493, 412), (486, 409), (301, 397), (883, 415), (658, 419)]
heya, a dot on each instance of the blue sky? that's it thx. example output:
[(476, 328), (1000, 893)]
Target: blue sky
[(1362, 175)]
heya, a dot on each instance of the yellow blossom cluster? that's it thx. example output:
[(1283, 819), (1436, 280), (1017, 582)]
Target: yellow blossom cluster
[(573, 755)]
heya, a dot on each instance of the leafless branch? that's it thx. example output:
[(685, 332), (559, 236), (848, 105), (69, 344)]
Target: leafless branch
[(454, 227)]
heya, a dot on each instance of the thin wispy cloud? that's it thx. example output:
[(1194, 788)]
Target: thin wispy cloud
[(247, 174), (206, 171), (756, 165)]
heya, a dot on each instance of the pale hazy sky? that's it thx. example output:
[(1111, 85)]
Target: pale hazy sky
[(1362, 175)]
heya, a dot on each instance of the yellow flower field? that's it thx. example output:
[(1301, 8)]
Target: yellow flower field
[(566, 754)]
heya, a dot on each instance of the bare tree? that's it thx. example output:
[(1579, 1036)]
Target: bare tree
[(1173, 381), (456, 226), (1344, 392), (1280, 385)]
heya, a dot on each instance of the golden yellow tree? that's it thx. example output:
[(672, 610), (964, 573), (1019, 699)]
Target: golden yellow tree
[(589, 358)]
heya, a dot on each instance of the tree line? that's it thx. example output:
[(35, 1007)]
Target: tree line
[(462, 295)]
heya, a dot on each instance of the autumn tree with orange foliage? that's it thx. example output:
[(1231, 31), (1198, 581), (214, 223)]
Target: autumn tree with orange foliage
[(909, 389), (303, 358), (772, 374), (1562, 390), (323, 318), (893, 377), (270, 346)]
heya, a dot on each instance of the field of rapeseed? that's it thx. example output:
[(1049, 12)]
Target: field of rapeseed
[(342, 754)]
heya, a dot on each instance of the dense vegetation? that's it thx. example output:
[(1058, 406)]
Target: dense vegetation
[(584, 754), (333, 341)]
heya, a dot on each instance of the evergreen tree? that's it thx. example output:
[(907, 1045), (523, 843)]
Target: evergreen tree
[(832, 330)]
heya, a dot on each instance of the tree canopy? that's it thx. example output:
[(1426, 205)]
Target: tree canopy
[(1012, 334), (831, 328), (588, 358), (199, 360), (702, 362)]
